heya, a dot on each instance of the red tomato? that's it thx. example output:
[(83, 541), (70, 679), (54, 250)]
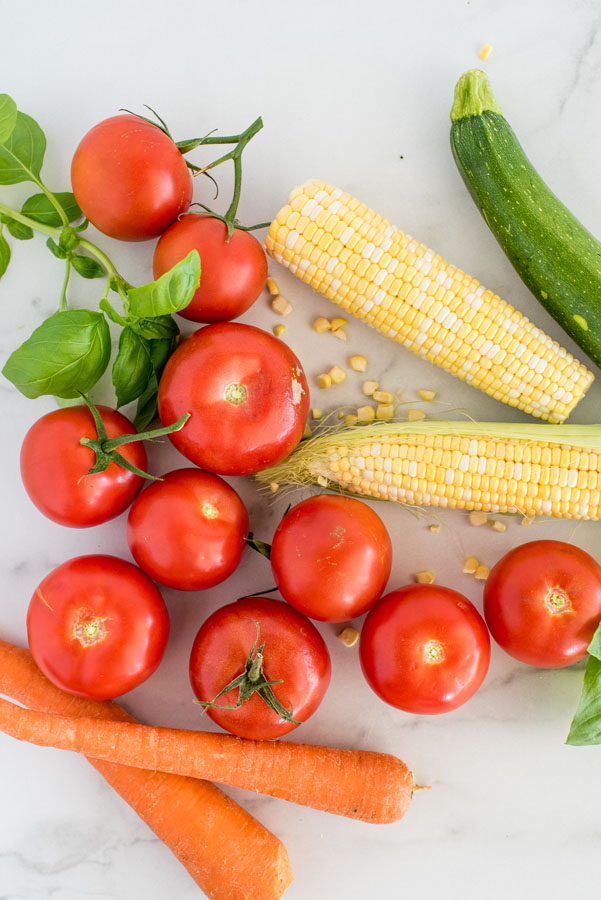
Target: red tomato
[(234, 272), (97, 626), (424, 649), (247, 395), (331, 557), (54, 466), (189, 530), (294, 652), (129, 178), (542, 603)]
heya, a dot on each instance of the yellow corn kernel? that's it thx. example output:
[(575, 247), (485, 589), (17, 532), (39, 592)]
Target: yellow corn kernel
[(383, 396), (425, 577), (485, 51), (348, 636), (470, 566), (358, 363), (307, 432), (415, 415), (339, 333), (351, 419), (366, 414), (482, 573), (272, 287), (426, 395), (324, 381), (316, 414), (338, 323), (321, 324), (527, 520), (337, 374), (280, 305), (279, 330), (496, 525), (341, 415), (322, 481), (384, 411), (434, 529), (478, 518), (369, 387)]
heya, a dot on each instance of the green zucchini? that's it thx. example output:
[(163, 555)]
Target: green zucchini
[(552, 252)]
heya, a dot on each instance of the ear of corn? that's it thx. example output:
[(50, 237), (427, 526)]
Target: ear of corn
[(380, 274), (535, 470)]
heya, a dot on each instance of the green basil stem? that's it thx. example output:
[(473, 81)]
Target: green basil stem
[(105, 448), (62, 305)]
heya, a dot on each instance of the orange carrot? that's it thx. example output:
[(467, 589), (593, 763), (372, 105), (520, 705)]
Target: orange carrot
[(228, 853), (375, 787)]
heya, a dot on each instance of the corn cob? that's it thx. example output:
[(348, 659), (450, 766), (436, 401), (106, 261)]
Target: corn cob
[(380, 274), (535, 470)]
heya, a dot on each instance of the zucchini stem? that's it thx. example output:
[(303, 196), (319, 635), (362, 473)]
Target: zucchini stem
[(473, 96)]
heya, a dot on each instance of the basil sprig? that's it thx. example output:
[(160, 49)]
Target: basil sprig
[(586, 724)]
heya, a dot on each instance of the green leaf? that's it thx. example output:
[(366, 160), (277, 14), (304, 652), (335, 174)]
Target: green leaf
[(161, 327), (169, 293), (594, 648), (16, 229), (22, 155), (8, 117), (67, 354), (87, 267), (132, 369), (39, 208), (55, 249), (4, 254), (68, 238), (586, 724), (146, 410)]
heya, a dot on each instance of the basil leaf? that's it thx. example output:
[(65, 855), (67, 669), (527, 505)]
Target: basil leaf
[(67, 354), (22, 154), (594, 648), (132, 369), (4, 254), (146, 411), (40, 208), (161, 327), (8, 117), (68, 239), (586, 724), (87, 267), (16, 229), (169, 293), (56, 249)]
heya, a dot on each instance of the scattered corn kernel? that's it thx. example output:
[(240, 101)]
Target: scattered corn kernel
[(321, 324), (470, 566), (341, 415), (434, 528), (369, 387), (273, 486), (478, 518), (383, 396), (307, 432), (495, 525), (324, 381), (425, 577), (279, 330), (385, 411), (482, 573), (322, 481), (272, 287), (351, 419), (280, 305), (414, 415), (358, 363), (349, 636), (366, 414), (339, 333), (485, 52), (527, 520), (338, 322), (337, 375), (316, 414), (426, 395)]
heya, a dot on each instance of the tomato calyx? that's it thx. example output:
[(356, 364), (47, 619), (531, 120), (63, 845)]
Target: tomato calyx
[(252, 681), (89, 629), (105, 448), (558, 601)]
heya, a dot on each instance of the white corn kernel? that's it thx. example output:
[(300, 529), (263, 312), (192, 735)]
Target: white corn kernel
[(322, 481), (358, 363), (273, 486), (280, 305), (349, 636), (337, 375), (425, 577)]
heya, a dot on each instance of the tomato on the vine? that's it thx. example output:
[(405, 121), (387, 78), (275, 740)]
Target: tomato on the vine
[(234, 271), (424, 649), (331, 557), (542, 603), (266, 641), (54, 466), (189, 530), (97, 626), (129, 178), (246, 393)]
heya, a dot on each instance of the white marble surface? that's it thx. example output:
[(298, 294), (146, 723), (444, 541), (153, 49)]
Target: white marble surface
[(345, 88)]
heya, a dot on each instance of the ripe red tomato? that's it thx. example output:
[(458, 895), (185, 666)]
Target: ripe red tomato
[(331, 557), (234, 272), (542, 603), (129, 178), (54, 466), (189, 530), (247, 395), (293, 651), (424, 649), (97, 626)]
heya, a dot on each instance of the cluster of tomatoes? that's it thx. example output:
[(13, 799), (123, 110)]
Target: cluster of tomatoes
[(98, 625)]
